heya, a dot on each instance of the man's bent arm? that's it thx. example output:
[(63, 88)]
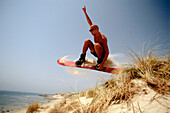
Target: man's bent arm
[(87, 17)]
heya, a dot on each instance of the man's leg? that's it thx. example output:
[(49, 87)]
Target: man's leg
[(87, 44), (98, 49)]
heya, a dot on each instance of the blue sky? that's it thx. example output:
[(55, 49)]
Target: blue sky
[(35, 33)]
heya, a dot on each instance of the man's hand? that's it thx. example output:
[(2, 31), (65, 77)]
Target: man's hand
[(84, 8)]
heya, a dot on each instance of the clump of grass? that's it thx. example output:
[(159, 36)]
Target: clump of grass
[(64, 106), (33, 108), (114, 91), (152, 67)]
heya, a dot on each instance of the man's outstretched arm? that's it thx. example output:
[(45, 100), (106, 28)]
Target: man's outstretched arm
[(87, 17)]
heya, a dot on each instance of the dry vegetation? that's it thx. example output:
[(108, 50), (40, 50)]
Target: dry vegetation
[(33, 108), (150, 68)]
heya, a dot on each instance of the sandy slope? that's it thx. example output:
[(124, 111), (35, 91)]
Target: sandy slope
[(144, 101), (147, 101)]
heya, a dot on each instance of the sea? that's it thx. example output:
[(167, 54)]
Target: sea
[(11, 100)]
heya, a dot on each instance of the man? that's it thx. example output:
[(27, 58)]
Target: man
[(99, 49)]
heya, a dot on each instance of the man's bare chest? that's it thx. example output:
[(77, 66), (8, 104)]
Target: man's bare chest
[(98, 40)]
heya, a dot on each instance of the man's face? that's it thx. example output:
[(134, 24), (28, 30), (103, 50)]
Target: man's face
[(93, 31)]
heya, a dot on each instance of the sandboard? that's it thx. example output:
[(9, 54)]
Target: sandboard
[(88, 65)]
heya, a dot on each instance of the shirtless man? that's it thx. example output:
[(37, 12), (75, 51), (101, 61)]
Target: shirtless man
[(99, 49)]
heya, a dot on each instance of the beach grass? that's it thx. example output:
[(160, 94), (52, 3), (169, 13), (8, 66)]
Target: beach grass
[(152, 66), (33, 108), (148, 67)]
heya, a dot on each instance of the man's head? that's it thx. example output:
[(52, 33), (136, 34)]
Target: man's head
[(94, 29)]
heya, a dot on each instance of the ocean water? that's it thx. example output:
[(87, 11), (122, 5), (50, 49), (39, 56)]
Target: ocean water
[(10, 100)]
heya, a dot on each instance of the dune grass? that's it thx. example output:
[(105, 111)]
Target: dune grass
[(33, 108), (152, 66), (149, 65)]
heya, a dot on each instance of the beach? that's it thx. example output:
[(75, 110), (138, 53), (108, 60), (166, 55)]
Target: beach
[(13, 100), (145, 100), (55, 99), (49, 105)]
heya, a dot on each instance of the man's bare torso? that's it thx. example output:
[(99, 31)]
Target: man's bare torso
[(100, 39)]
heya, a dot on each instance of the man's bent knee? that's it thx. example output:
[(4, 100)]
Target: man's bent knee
[(87, 41)]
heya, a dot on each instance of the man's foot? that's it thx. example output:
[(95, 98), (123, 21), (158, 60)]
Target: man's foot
[(99, 61), (81, 60)]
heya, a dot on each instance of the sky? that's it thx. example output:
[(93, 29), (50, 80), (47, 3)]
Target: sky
[(35, 33)]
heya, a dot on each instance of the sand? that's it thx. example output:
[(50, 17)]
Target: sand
[(145, 101), (19, 111)]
